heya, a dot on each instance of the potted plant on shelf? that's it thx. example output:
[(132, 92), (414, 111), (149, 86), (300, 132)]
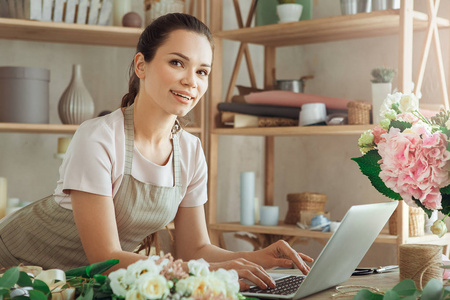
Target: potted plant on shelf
[(381, 86), (289, 11)]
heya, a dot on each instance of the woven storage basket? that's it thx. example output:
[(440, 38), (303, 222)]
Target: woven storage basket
[(304, 202), (416, 222), (359, 112)]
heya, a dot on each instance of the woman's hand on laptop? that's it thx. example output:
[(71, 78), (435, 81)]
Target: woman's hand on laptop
[(281, 254), (249, 273)]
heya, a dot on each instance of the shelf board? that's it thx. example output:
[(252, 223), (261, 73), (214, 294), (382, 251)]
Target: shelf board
[(293, 230), (17, 29), (337, 28), (55, 128), (289, 230), (295, 130), (37, 128)]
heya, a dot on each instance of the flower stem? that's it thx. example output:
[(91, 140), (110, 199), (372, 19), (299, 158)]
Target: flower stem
[(421, 117)]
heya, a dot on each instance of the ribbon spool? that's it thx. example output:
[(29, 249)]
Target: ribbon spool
[(420, 263)]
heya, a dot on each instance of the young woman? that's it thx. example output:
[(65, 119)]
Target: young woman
[(130, 173)]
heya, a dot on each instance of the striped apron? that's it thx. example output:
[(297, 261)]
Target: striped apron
[(44, 233)]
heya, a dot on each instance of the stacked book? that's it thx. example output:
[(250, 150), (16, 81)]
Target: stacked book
[(273, 108)]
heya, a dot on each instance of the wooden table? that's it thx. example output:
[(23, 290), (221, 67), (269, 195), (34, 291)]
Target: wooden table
[(383, 282)]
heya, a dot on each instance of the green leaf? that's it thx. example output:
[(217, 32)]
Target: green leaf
[(99, 278), (445, 190), (367, 295), (40, 285), (88, 293), (37, 295), (9, 279), (433, 290), (426, 210), (100, 267), (445, 204), (400, 125), (405, 287), (3, 291), (391, 295), (24, 280), (368, 164), (81, 271)]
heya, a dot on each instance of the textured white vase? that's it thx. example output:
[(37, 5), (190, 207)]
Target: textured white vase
[(379, 93), (75, 105)]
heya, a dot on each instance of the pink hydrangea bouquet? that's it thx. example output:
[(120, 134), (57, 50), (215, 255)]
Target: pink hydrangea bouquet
[(407, 156)]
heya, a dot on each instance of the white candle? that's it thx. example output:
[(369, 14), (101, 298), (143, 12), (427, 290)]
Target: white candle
[(3, 196), (247, 190)]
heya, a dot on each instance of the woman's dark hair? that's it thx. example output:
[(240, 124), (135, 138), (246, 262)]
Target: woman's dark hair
[(154, 36)]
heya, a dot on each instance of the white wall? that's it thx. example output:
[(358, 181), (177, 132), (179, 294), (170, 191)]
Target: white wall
[(317, 164)]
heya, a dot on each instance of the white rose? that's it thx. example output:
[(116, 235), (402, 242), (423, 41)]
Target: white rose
[(198, 267), (229, 280), (144, 266), (439, 228), (118, 285), (134, 294), (186, 285), (387, 103), (152, 286), (408, 103)]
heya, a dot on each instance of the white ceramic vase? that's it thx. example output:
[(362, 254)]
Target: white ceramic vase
[(379, 93), (75, 105), (429, 221), (289, 12)]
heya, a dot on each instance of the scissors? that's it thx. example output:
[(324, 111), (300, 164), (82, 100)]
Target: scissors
[(367, 271)]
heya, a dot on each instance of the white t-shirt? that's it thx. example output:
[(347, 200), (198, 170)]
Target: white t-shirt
[(95, 162)]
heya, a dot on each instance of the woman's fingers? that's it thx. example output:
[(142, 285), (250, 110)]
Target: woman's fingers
[(249, 271), (252, 272), (286, 251), (305, 257)]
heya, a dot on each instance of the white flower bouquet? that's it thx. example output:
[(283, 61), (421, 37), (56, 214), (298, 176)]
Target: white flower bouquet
[(152, 278)]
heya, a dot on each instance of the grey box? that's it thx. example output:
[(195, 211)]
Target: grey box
[(24, 95)]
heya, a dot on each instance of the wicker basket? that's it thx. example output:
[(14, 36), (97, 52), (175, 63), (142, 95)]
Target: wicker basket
[(359, 112), (416, 222), (304, 202)]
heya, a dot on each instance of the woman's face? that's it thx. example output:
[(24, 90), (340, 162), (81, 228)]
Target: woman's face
[(177, 77)]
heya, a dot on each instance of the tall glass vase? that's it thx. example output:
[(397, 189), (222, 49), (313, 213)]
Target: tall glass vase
[(75, 105)]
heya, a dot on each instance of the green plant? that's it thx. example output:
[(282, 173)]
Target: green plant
[(406, 289), (383, 75), (87, 281), (286, 1)]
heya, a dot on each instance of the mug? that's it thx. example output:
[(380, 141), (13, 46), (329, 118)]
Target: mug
[(268, 215)]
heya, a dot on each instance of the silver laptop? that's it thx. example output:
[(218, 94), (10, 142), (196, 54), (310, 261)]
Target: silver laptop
[(343, 252)]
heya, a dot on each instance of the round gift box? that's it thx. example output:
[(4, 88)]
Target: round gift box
[(24, 95)]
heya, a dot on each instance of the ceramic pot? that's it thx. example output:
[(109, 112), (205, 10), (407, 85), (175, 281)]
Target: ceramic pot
[(379, 93), (290, 12), (75, 105)]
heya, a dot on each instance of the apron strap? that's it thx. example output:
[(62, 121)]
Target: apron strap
[(129, 138)]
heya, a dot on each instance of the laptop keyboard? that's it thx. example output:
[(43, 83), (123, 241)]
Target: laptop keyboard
[(284, 286)]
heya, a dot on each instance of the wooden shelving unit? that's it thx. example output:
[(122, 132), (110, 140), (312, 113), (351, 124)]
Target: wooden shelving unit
[(338, 28), (17, 29), (401, 22)]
